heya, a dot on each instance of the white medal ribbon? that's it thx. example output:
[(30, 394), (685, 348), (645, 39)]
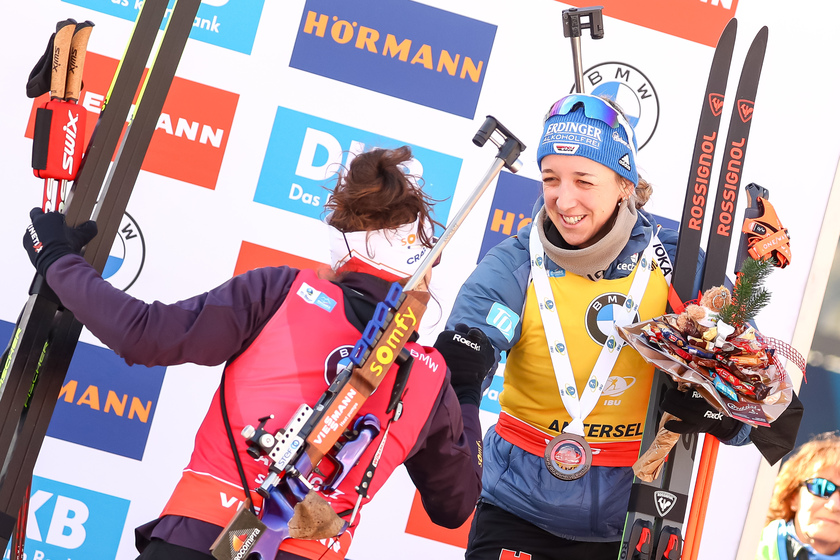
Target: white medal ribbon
[(579, 408)]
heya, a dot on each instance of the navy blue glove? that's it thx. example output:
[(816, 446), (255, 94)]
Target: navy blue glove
[(49, 238), (470, 357), (696, 415)]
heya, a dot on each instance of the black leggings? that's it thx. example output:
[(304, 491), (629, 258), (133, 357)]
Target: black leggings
[(499, 535)]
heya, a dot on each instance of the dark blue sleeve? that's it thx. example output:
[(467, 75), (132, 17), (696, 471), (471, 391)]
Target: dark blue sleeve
[(206, 329)]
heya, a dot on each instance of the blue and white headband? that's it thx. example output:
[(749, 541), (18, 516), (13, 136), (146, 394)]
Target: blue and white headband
[(587, 125)]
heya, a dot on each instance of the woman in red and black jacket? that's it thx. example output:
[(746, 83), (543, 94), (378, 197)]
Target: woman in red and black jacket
[(281, 333)]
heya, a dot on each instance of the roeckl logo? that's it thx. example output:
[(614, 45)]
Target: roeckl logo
[(70, 130), (713, 415), (664, 502), (191, 135), (471, 344)]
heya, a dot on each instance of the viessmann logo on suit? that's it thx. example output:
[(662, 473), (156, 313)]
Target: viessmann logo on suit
[(192, 131), (396, 47), (225, 23), (305, 153)]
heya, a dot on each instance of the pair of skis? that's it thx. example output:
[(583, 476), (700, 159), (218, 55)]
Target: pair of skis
[(43, 341), (653, 528)]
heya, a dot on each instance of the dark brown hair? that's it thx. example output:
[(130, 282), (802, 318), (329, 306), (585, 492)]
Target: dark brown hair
[(375, 193)]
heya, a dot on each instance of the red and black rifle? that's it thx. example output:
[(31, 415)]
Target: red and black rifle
[(313, 432), (43, 341)]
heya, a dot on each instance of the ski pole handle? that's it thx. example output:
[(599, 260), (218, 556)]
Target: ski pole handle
[(60, 55), (76, 62), (509, 149), (572, 27), (752, 211)]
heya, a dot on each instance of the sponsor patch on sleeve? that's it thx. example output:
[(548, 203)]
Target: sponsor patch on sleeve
[(504, 319)]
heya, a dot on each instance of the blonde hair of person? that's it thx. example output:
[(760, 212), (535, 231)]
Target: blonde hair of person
[(823, 449)]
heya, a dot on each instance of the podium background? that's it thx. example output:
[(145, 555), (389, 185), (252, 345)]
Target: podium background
[(263, 109)]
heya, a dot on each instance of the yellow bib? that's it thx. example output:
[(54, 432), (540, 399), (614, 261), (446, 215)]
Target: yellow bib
[(585, 307)]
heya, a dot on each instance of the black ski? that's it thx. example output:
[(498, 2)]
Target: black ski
[(724, 230), (698, 189), (46, 335), (654, 524)]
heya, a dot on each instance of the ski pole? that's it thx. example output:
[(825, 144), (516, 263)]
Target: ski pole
[(509, 149), (572, 27)]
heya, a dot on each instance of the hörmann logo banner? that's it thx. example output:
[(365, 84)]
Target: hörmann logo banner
[(225, 23), (510, 210), (106, 404), (192, 132), (400, 48), (701, 21), (73, 523), (305, 152)]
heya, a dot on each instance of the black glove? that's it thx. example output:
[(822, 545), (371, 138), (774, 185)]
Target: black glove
[(470, 357), (779, 438), (49, 238), (696, 415)]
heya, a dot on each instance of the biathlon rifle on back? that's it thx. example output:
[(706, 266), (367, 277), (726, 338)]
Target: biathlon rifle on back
[(331, 429)]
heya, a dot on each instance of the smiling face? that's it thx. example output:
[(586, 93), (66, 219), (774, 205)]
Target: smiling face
[(581, 196), (817, 520)]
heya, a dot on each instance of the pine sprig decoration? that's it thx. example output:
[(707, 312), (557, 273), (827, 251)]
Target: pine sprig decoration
[(748, 296)]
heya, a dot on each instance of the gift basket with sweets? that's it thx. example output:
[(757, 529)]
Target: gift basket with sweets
[(712, 348)]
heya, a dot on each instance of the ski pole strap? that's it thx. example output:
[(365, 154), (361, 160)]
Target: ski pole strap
[(766, 236)]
